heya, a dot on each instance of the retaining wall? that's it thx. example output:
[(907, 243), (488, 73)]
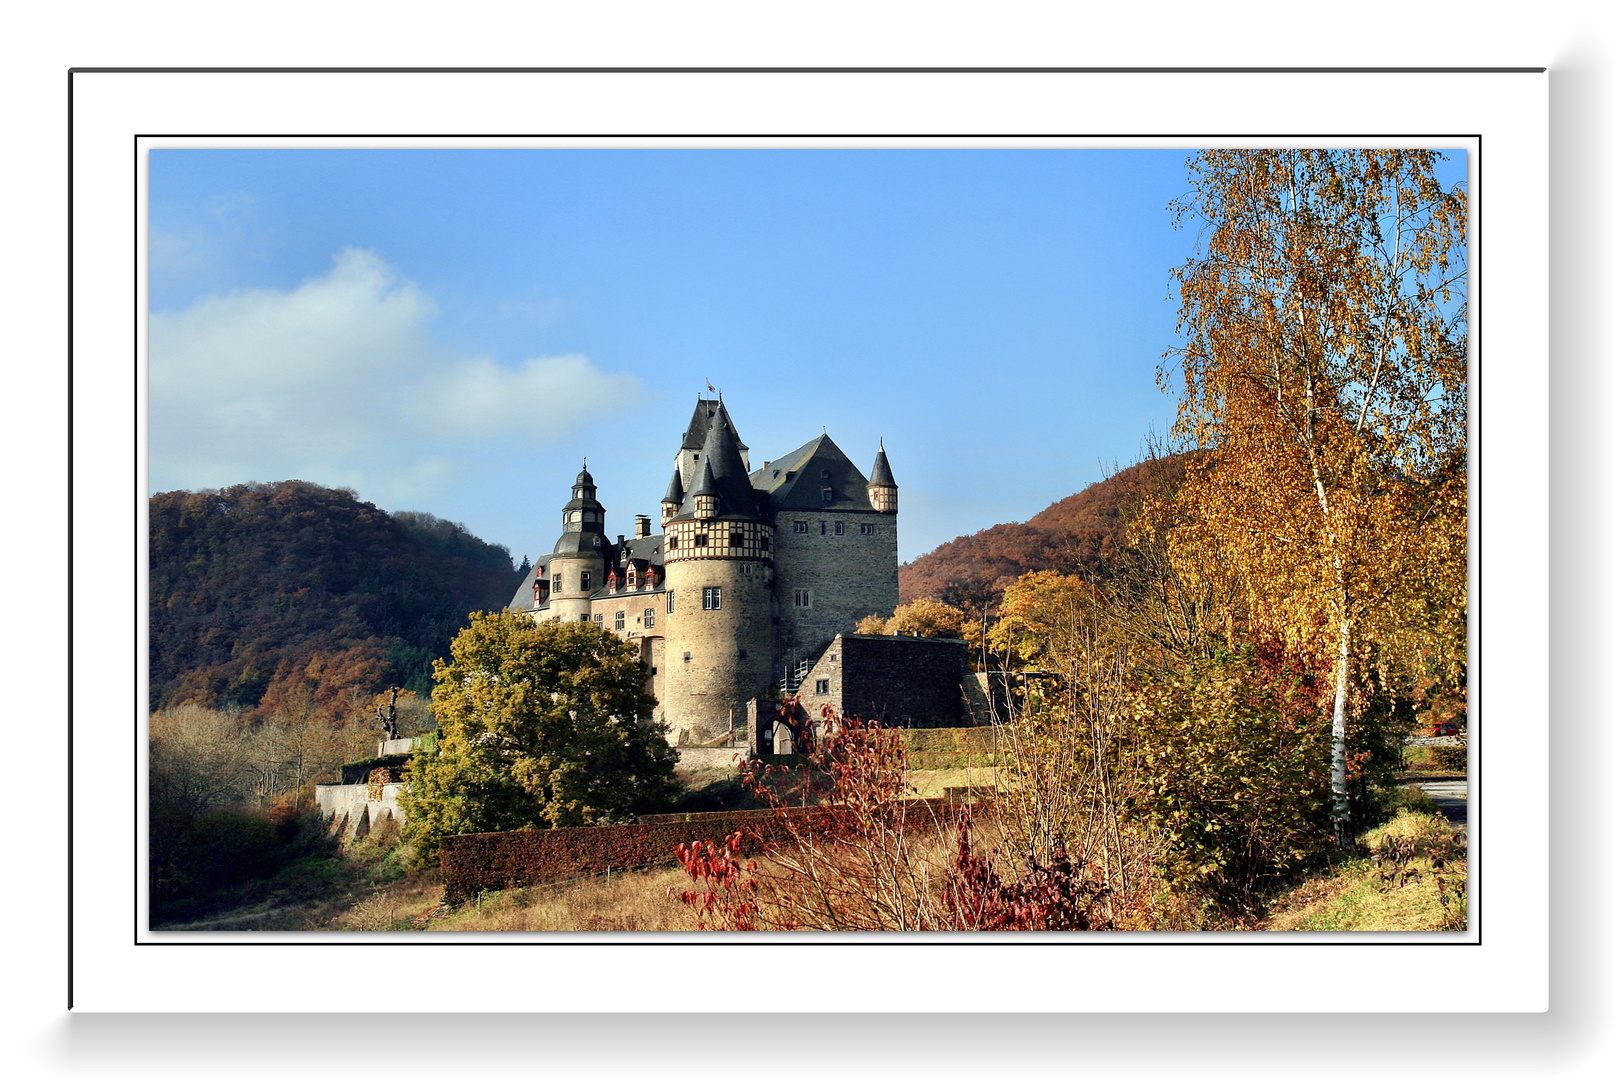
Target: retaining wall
[(349, 810)]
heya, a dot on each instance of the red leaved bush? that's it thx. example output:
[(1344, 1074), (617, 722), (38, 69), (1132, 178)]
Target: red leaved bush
[(729, 901), (867, 856)]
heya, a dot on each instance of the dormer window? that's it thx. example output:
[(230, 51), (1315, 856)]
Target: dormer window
[(826, 494)]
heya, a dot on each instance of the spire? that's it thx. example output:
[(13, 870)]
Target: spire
[(883, 490), (882, 473), (706, 485), (721, 453), (676, 490)]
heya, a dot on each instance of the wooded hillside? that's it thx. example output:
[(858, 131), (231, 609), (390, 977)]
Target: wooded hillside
[(1080, 532), (265, 592)]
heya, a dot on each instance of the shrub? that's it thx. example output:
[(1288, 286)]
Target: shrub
[(542, 725), (1236, 756)]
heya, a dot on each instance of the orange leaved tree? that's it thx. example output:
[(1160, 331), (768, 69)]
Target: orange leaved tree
[(1323, 361)]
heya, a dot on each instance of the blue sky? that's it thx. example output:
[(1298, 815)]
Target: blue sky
[(453, 330)]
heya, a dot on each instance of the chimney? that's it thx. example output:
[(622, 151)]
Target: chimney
[(642, 526)]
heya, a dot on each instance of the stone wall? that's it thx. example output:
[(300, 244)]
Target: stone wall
[(349, 810), (728, 648), (907, 681), (848, 576)]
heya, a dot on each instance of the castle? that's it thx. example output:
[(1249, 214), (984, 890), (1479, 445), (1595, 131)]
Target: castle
[(751, 586)]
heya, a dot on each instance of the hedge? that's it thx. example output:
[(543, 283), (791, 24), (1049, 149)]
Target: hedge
[(503, 860), (957, 740)]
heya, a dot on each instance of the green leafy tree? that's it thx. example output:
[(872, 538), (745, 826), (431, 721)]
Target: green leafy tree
[(542, 725)]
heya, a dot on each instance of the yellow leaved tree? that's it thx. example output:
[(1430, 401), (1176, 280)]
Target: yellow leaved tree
[(1324, 374)]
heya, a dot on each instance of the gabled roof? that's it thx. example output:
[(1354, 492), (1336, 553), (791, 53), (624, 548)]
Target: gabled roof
[(797, 481)]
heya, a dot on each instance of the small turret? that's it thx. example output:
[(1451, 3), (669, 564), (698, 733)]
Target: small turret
[(673, 499), (706, 492), (883, 488)]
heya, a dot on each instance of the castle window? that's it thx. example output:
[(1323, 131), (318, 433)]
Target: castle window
[(701, 539), (866, 529), (821, 528), (763, 543), (670, 601), (589, 515), (822, 687), (617, 621), (826, 494), (583, 581), (687, 658), (712, 598), (597, 541), (802, 598), (824, 474), (650, 617), (746, 569), (555, 583), (600, 619), (673, 542), (799, 526), (841, 528), (584, 617)]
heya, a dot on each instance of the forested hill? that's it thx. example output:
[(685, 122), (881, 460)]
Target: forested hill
[(292, 594), (1082, 532)]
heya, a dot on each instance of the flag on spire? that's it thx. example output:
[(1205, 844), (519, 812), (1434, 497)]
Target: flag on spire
[(710, 389)]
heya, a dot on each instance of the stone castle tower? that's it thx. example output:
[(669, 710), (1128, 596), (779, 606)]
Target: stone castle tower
[(754, 575), (720, 572)]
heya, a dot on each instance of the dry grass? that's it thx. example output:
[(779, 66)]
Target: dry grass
[(631, 900), (1364, 895)]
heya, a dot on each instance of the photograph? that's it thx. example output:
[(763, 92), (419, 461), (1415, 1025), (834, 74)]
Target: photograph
[(498, 579)]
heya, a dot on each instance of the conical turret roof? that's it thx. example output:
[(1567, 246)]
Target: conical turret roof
[(882, 473), (676, 490), (723, 472), (705, 484)]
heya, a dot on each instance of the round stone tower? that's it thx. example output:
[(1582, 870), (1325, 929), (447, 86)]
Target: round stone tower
[(718, 551), (578, 565)]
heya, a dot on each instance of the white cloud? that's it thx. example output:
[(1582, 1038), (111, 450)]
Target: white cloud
[(338, 381)]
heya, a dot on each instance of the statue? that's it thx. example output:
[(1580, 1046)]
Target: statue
[(388, 718)]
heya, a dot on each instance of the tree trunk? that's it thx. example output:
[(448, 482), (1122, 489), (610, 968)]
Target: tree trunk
[(1338, 742)]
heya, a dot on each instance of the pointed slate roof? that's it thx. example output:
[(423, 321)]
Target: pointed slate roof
[(676, 489), (722, 472), (705, 484), (882, 473), (707, 410)]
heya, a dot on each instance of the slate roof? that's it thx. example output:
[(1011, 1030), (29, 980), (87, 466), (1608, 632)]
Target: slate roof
[(882, 473), (523, 600), (723, 471), (706, 410), (797, 481)]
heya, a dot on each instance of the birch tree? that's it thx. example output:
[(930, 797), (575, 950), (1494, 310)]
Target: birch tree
[(1323, 361)]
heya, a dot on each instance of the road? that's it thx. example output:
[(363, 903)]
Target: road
[(1451, 797)]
